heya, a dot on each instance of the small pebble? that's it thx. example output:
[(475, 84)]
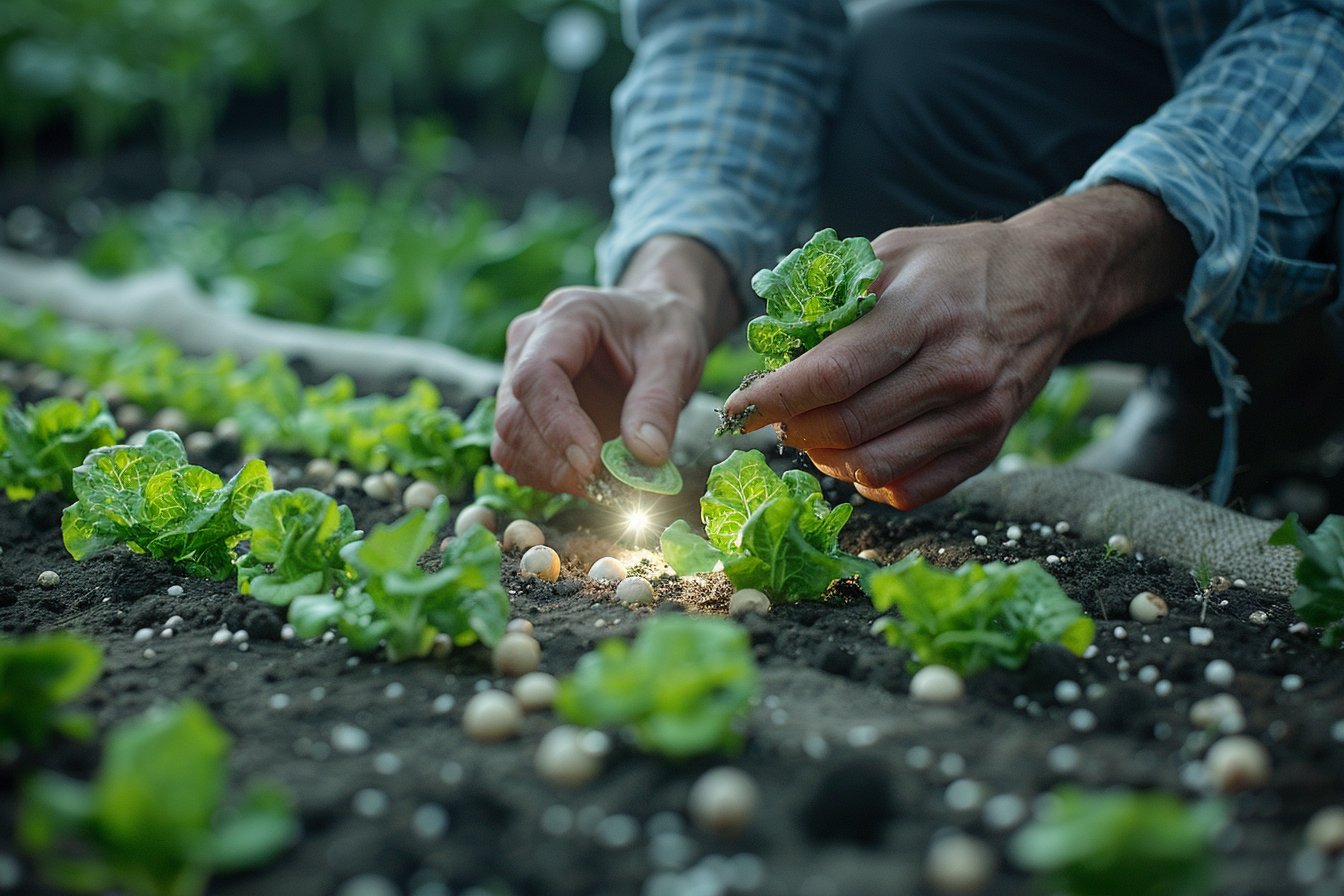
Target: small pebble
[(1062, 527), (347, 738), (492, 715), (1258, 617), (221, 637), (1237, 763), (517, 653), (981, 541), (748, 600), (959, 864), (420, 495), (635, 591), (1068, 691), (320, 470), (1201, 636), (1148, 607), (522, 535), (1014, 533), (475, 515), (723, 801), (869, 554), (1325, 830), (606, 569), (540, 561), (142, 635), (564, 759), (1219, 673), (48, 578), (535, 691), (1291, 682), (937, 684), (1120, 544), (376, 487)]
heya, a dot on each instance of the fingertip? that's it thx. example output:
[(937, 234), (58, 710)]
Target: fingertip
[(648, 443)]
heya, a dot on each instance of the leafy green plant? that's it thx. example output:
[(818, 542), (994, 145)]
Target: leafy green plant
[(152, 822), (502, 493), (1319, 598), (769, 532), (978, 615), (664, 479), (151, 500), (42, 443), (394, 601), (39, 674), (1054, 427), (814, 291), (294, 545), (1121, 843), (680, 687)]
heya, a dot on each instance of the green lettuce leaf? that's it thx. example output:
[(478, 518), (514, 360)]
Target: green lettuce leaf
[(681, 687), (150, 499), (151, 822), (503, 494), (773, 533), (978, 615), (814, 291), (41, 444), (1319, 598), (294, 545), (38, 675)]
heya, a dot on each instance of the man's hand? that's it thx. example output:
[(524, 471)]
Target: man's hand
[(919, 394), (593, 363)]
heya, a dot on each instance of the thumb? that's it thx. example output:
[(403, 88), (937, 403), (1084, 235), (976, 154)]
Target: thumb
[(664, 380)]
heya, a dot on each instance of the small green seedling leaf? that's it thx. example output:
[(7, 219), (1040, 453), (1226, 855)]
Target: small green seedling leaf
[(662, 480), (294, 545), (814, 291), (40, 444), (773, 533), (1121, 843), (502, 493), (151, 822), (38, 675), (681, 686), (1319, 598), (978, 615)]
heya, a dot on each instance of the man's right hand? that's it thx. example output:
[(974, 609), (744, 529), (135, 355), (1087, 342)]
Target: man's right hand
[(593, 363)]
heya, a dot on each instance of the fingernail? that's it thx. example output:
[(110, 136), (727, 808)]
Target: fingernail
[(653, 437), (580, 460)]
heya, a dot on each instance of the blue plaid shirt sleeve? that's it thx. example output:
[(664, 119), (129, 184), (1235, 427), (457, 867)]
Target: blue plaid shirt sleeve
[(717, 126), (1249, 156)]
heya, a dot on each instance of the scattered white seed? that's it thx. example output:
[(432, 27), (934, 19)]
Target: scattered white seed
[(634, 591), (143, 635), (278, 701), (320, 469), (174, 621), (1004, 811), (1062, 527), (387, 763), (198, 443), (868, 554), (475, 515), (564, 759), (1299, 628), (347, 478), (1162, 688), (1219, 673), (535, 691), (964, 795), (606, 569), (1082, 720), (1148, 607), (239, 636), (287, 632), (723, 800), (748, 600), (170, 418), (347, 738), (1013, 533), (522, 535), (541, 561), (228, 429), (958, 863), (1120, 544), (149, 653), (443, 703), (1051, 559), (369, 802), (1201, 636), (429, 821), (1325, 830), (221, 637), (937, 684), (1064, 759), (166, 633), (492, 715), (1238, 583), (420, 494), (1237, 763), (1258, 617), (520, 625), (1221, 712), (48, 578), (517, 653), (376, 487), (395, 690), (1149, 674), (1120, 632), (1068, 691), (980, 541), (1291, 682)]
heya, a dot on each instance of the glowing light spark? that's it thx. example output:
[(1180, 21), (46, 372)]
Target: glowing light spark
[(637, 521)]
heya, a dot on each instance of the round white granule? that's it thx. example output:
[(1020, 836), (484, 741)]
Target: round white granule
[(1325, 830), (606, 569), (1120, 544), (492, 716), (474, 515), (1148, 607), (958, 863), (1237, 763), (520, 625), (376, 487), (980, 541), (1219, 673), (1013, 533), (748, 600), (517, 653), (48, 578), (635, 591), (1201, 636), (522, 535), (540, 561), (723, 800), (1291, 682), (420, 495), (937, 684), (868, 554), (535, 691), (563, 760), (1067, 691)]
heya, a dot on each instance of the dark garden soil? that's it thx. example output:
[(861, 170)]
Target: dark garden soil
[(856, 779)]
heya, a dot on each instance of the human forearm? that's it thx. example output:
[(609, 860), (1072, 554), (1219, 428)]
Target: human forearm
[(674, 265), (1118, 249)]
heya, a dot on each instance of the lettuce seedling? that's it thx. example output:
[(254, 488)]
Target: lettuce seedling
[(42, 443), (294, 546), (503, 494), (773, 533), (1319, 598), (978, 615), (394, 601), (150, 823), (681, 687), (150, 499), (814, 291), (38, 676), (1121, 843)]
